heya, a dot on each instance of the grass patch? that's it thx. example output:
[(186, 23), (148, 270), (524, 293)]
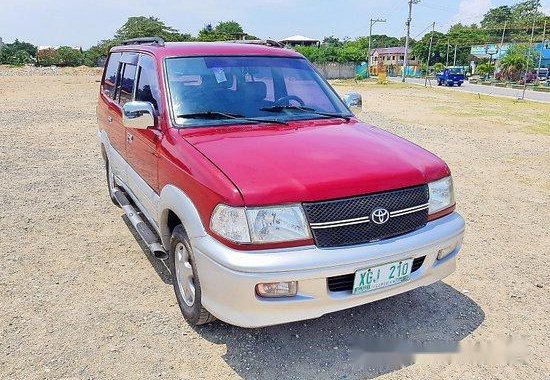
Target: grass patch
[(542, 124)]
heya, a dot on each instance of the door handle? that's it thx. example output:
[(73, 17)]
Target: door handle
[(110, 119), (129, 137)]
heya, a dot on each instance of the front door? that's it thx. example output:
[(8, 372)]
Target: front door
[(141, 144)]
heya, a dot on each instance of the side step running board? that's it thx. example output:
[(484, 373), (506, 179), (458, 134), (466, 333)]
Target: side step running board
[(148, 236)]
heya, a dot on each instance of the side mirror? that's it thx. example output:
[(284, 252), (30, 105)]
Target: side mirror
[(138, 115), (354, 101)]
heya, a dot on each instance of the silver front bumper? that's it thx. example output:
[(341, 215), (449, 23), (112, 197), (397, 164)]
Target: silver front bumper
[(228, 277)]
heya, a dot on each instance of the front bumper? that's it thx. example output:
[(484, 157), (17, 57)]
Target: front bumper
[(228, 277)]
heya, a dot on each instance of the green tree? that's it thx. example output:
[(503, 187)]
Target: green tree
[(463, 37), (439, 67), (208, 34), (229, 28), (69, 56), (380, 41), (142, 26), (101, 49), (439, 48), (15, 58), (21, 45), (352, 52), (333, 41), (526, 10), (515, 62), (496, 17), (484, 69), (9, 51), (135, 27), (48, 57), (224, 31)]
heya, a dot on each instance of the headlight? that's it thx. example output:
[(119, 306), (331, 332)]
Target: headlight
[(260, 224), (441, 195), (230, 222)]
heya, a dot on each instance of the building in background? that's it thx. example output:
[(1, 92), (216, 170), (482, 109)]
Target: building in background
[(391, 60), (299, 41), (495, 52), (2, 44)]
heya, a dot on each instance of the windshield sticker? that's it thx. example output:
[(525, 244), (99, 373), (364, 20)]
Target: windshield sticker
[(219, 74)]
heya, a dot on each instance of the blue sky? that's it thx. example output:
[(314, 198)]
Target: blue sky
[(84, 22)]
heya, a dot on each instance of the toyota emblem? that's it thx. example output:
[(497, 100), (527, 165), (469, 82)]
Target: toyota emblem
[(380, 215)]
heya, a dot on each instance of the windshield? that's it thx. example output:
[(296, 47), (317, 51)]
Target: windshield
[(456, 70), (205, 90)]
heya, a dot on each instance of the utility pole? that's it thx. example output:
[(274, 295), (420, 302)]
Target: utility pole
[(454, 60), (372, 22), (542, 46), (448, 42), (429, 56), (528, 59), (408, 23), (501, 45)]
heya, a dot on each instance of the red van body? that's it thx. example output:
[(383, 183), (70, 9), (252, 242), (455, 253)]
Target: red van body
[(178, 173)]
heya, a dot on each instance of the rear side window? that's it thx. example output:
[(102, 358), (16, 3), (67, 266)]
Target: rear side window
[(147, 87), (127, 84), (111, 70)]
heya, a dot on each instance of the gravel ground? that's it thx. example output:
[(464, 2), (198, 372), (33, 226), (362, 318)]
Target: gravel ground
[(82, 298)]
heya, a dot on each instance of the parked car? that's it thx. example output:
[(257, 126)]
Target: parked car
[(542, 73), (241, 166), (451, 76)]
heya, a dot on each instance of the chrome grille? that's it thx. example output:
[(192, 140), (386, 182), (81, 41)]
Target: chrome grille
[(349, 221)]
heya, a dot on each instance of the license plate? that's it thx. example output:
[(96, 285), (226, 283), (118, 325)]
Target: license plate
[(382, 276)]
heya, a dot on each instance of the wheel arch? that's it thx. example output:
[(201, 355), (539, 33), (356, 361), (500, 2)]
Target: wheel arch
[(175, 208)]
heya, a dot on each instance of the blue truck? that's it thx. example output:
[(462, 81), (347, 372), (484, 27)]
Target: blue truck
[(451, 76)]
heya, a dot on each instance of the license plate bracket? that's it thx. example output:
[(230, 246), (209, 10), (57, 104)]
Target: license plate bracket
[(382, 276)]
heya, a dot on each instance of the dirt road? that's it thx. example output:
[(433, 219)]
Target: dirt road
[(82, 299)]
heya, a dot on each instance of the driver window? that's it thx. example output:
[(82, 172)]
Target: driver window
[(147, 89), (301, 83), (127, 84)]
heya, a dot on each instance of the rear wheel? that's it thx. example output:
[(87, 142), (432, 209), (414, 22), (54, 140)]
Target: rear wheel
[(186, 280)]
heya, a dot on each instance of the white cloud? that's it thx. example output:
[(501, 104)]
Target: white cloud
[(471, 11)]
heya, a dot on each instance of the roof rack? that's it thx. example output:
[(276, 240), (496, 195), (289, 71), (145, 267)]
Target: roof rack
[(144, 40), (257, 42)]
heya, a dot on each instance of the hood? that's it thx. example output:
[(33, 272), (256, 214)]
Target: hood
[(314, 160)]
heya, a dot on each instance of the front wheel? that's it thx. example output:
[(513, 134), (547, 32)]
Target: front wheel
[(186, 280)]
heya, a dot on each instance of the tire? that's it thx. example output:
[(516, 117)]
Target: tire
[(110, 182), (459, 84), (182, 267)]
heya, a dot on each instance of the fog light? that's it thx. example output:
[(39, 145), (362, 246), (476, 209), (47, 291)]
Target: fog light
[(277, 289), (444, 252)]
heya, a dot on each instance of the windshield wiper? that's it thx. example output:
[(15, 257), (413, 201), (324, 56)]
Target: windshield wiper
[(304, 109), (216, 115)]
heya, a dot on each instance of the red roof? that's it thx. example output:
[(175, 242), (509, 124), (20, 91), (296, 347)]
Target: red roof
[(171, 49)]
